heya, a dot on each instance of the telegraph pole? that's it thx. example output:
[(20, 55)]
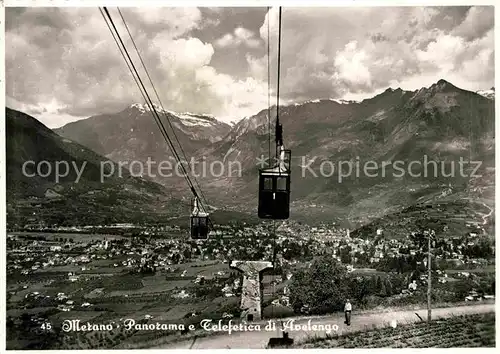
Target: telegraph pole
[(429, 271), (429, 287)]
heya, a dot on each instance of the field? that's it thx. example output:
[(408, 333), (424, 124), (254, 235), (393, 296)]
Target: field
[(114, 297), (78, 237), (486, 269), (460, 331), (112, 292)]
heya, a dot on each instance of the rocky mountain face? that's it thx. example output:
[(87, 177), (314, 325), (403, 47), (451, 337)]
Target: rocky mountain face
[(132, 134), (439, 124), (351, 161)]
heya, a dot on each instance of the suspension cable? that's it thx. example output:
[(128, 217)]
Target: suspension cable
[(269, 81), (123, 54), (144, 94), (150, 103), (274, 265), (279, 140), (279, 59), (279, 128), (161, 104)]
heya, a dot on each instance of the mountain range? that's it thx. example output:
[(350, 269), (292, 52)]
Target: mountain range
[(87, 188), (441, 123)]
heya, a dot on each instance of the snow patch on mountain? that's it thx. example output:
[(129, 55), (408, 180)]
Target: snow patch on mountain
[(191, 120), (229, 152), (189, 115), (339, 101), (343, 101), (145, 108), (244, 125), (490, 94), (187, 118)]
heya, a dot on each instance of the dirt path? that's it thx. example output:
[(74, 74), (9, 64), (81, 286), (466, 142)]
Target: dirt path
[(486, 216), (259, 339)]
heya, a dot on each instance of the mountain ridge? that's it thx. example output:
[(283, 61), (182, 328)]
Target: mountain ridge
[(101, 194), (442, 122)]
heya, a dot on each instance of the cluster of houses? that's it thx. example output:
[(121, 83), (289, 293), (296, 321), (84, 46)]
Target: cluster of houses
[(30, 256)]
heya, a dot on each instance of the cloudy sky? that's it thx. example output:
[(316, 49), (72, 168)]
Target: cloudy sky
[(62, 63)]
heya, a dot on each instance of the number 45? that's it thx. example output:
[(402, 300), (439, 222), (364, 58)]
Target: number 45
[(46, 326)]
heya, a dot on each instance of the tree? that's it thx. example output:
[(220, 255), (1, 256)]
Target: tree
[(388, 287), (378, 285), (345, 256), (360, 289), (323, 286), (187, 253), (10, 323), (383, 290)]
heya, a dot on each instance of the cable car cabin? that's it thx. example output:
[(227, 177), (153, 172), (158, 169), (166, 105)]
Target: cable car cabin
[(199, 222), (274, 194), (199, 226), (274, 191)]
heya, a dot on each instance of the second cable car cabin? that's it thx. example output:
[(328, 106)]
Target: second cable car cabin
[(199, 221), (274, 189)]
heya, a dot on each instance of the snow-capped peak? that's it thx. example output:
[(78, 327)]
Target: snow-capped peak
[(343, 101), (339, 101), (192, 115), (145, 108), (193, 119), (490, 94), (186, 118)]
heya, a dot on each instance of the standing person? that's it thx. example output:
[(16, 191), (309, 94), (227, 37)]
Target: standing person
[(347, 311)]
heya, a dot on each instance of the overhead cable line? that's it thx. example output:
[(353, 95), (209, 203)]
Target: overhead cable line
[(269, 80), (161, 104), (149, 102), (279, 130)]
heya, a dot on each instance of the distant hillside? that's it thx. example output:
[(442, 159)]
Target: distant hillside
[(441, 123), (32, 198), (456, 218), (80, 198)]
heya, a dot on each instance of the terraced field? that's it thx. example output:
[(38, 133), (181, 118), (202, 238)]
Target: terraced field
[(456, 332)]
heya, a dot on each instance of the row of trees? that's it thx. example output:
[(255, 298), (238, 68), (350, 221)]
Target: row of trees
[(326, 284)]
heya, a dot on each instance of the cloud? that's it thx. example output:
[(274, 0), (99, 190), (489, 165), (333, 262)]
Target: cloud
[(353, 67), (479, 21), (241, 36), (348, 52), (63, 64), (173, 21), (52, 114), (225, 40)]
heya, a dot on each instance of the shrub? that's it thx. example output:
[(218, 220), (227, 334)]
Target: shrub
[(323, 286)]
